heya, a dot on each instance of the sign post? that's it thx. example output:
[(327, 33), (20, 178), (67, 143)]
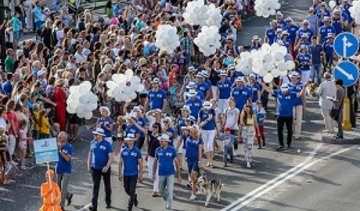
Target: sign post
[(346, 45)]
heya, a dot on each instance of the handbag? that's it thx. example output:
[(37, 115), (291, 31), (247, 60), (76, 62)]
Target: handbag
[(334, 113)]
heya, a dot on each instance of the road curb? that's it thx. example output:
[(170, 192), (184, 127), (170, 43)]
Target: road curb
[(332, 140)]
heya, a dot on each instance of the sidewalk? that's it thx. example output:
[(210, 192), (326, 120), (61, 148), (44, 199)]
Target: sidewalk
[(350, 137)]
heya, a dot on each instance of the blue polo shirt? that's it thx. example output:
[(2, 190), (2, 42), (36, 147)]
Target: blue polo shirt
[(281, 23), (328, 49), (105, 123), (192, 148), (7, 88), (307, 31), (64, 166), (224, 89), (195, 106), (181, 123), (131, 129), (254, 91), (304, 58), (142, 122), (203, 87), (297, 89), (285, 103), (260, 116), (100, 153), (241, 96), (337, 25), (315, 51), (131, 160), (292, 29), (156, 98), (171, 131), (166, 160), (205, 115), (271, 34), (324, 31)]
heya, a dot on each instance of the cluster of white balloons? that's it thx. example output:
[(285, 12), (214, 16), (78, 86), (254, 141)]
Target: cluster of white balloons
[(266, 8), (166, 38), (268, 62), (332, 4), (208, 40), (355, 11), (123, 87), (197, 13), (82, 100)]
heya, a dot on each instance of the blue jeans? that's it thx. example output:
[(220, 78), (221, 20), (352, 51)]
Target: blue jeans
[(166, 189), (316, 71)]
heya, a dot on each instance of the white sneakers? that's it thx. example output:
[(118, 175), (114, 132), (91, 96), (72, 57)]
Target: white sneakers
[(192, 197)]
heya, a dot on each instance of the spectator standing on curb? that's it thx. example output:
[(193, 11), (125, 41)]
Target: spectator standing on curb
[(338, 105), (99, 160), (64, 168), (327, 91)]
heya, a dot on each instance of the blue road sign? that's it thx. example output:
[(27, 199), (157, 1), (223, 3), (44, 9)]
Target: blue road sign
[(347, 72), (46, 150), (346, 45)]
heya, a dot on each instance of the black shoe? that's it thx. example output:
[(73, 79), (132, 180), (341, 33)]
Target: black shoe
[(281, 148), (136, 203), (231, 160), (91, 208), (108, 206), (69, 199)]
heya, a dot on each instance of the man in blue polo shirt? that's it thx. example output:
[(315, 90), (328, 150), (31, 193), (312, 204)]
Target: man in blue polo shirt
[(326, 29), (99, 160), (241, 94), (202, 85), (130, 169), (295, 87), (63, 167), (157, 97), (141, 125), (194, 103), (285, 101), (223, 87), (304, 30), (270, 33), (165, 156)]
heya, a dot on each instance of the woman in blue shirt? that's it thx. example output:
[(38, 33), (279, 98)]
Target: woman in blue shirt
[(224, 88), (304, 60), (182, 122), (193, 145), (206, 122), (106, 123)]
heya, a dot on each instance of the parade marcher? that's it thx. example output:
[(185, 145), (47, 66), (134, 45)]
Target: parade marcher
[(296, 86), (99, 160), (326, 29), (329, 52), (206, 122), (106, 123), (270, 33), (141, 124), (193, 145), (130, 169), (153, 144), (326, 92), (285, 101), (231, 120), (182, 121), (157, 97), (316, 53), (50, 192), (254, 88), (193, 103), (64, 168), (165, 157), (249, 128), (223, 89), (241, 94), (304, 60), (260, 113), (228, 140)]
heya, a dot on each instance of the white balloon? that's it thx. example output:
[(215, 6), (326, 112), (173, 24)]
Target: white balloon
[(73, 89), (282, 66), (332, 4), (275, 73), (290, 65), (268, 78), (88, 115)]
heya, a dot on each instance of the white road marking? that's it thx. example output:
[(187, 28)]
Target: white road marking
[(85, 208), (250, 197)]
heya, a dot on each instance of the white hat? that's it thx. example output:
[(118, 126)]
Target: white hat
[(99, 131), (205, 73), (207, 105), (279, 13), (156, 111), (255, 37), (185, 108), (238, 79), (138, 109), (284, 87), (133, 115), (326, 18), (289, 19), (130, 137), (200, 74), (104, 108), (294, 74), (194, 127), (191, 85), (223, 73), (41, 72), (155, 80), (279, 30), (164, 137), (191, 93), (285, 32)]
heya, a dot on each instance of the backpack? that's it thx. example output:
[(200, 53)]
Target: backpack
[(53, 38)]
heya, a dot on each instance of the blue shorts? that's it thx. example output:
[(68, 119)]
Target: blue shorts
[(17, 35), (192, 165)]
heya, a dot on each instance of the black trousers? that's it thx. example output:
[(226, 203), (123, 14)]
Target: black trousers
[(130, 188), (140, 143), (96, 176), (280, 126)]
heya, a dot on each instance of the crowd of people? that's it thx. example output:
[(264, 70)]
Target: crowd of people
[(192, 106)]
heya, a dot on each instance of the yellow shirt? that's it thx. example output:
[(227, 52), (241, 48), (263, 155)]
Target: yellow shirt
[(41, 123)]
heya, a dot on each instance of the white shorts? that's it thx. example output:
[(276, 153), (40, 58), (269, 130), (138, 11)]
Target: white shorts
[(208, 137), (22, 145)]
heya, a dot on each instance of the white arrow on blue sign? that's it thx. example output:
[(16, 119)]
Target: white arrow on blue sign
[(346, 45), (347, 72)]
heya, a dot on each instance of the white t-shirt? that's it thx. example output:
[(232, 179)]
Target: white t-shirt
[(231, 118)]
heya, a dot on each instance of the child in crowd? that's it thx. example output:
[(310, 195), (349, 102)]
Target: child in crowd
[(3, 147), (260, 115), (228, 142), (55, 129), (23, 139)]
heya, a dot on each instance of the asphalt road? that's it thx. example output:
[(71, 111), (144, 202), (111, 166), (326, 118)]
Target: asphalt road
[(297, 179)]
